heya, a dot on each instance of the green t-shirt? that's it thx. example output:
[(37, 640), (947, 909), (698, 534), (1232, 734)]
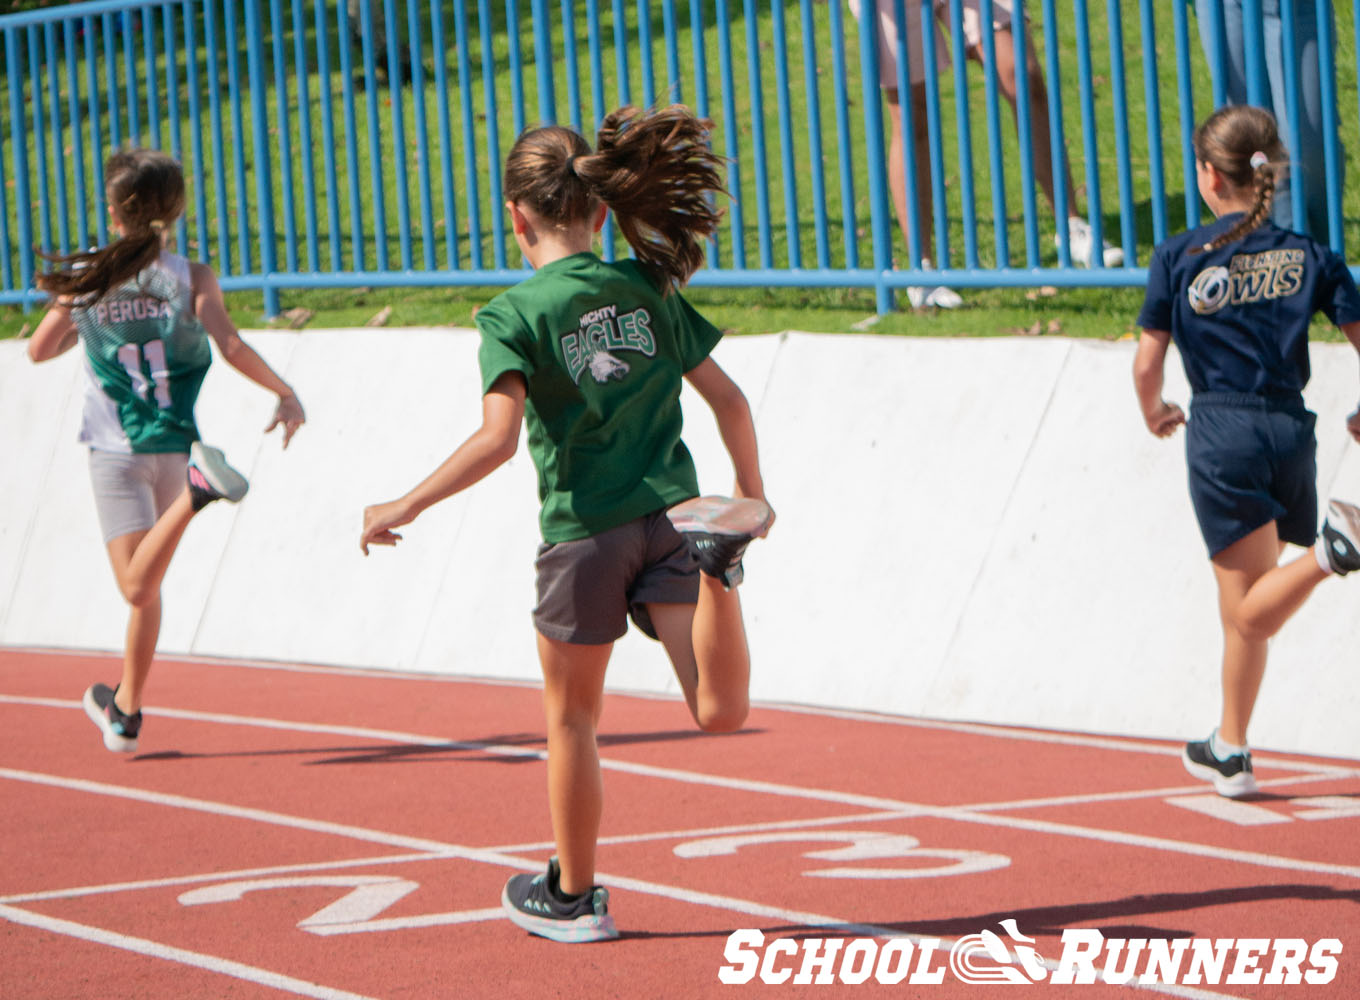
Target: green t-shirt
[(146, 355), (604, 355)]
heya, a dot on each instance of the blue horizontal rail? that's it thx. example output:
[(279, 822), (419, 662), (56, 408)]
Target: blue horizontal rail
[(357, 143)]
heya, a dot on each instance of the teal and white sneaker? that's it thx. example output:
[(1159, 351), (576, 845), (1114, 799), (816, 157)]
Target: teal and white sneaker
[(718, 529), (211, 478), (535, 902)]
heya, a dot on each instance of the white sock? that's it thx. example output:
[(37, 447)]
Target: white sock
[(1222, 749), (1320, 551)]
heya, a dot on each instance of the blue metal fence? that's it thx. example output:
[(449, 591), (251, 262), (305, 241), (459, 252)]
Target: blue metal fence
[(358, 143)]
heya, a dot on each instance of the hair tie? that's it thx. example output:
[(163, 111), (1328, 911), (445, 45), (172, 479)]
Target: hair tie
[(157, 225), (1258, 160), (571, 162)]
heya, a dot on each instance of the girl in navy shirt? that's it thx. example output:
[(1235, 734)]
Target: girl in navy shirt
[(1237, 297)]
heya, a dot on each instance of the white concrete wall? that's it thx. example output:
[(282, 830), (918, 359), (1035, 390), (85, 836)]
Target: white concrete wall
[(973, 529)]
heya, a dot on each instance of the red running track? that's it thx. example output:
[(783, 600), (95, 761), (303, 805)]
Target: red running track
[(293, 831)]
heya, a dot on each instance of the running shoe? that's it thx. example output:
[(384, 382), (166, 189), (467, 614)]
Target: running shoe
[(1232, 778), (718, 530), (533, 902), (120, 731), (211, 478), (1080, 245), (932, 296), (1341, 536)]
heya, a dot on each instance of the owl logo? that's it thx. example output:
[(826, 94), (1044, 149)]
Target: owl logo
[(1210, 291)]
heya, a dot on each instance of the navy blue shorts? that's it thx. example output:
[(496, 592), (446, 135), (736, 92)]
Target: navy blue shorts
[(1252, 460)]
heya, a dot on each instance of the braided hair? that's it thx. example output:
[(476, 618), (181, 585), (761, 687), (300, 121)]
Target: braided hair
[(1243, 145)]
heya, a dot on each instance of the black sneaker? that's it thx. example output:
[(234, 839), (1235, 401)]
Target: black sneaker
[(1232, 778), (1341, 536), (120, 731), (532, 902), (718, 530), (211, 478)]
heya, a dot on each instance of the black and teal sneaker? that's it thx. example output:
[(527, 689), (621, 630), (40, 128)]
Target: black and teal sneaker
[(536, 903), (211, 478), (120, 730)]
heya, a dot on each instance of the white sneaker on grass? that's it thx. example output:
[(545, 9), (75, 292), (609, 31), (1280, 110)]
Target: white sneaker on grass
[(1080, 244), (935, 296)]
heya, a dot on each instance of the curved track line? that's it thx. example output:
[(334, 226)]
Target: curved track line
[(154, 949)]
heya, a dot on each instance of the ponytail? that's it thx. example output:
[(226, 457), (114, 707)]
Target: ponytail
[(145, 191), (654, 171)]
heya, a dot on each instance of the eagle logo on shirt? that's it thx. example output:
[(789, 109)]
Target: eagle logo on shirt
[(604, 366), (601, 335)]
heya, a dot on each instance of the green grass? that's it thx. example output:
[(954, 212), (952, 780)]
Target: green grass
[(1104, 313)]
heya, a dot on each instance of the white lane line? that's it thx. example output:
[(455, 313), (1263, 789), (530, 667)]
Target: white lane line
[(869, 802), (223, 876), (692, 897), (154, 949), (997, 731)]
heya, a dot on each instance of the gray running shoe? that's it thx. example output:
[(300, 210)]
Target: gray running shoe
[(211, 478), (1341, 536)]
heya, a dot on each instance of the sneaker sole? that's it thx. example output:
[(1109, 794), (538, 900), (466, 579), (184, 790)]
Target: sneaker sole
[(579, 931), (1243, 783), (1344, 519), (721, 516), (225, 480), (114, 742)]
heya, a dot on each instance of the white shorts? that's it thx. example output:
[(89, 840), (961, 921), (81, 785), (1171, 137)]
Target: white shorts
[(887, 35), (132, 491)]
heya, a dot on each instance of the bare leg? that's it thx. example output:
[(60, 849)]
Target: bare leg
[(140, 560), (1041, 134), (573, 696), (897, 180), (706, 643), (1256, 597)]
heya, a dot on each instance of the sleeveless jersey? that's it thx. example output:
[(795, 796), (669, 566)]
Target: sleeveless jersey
[(145, 356)]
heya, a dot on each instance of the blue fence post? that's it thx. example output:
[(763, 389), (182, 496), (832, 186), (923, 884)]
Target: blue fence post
[(873, 138), (264, 182)]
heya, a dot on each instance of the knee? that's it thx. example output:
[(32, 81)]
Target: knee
[(1250, 629), (722, 718), (138, 595)]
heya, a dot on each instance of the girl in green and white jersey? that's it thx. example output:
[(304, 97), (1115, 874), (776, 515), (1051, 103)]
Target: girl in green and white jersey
[(144, 317), (591, 356)]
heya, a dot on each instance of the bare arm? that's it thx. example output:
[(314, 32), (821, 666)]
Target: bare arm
[(212, 313), (55, 335), (1352, 332), (486, 449), (1149, 366), (735, 424)]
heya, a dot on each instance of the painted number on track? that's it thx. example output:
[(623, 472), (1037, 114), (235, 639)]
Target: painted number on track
[(858, 846)]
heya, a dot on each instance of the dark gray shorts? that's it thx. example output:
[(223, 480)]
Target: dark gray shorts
[(589, 586), (132, 491)]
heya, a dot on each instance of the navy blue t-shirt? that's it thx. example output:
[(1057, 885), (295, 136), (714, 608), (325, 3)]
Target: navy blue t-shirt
[(1239, 315)]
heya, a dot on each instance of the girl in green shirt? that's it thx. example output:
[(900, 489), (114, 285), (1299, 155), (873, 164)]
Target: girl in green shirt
[(144, 317), (591, 356)]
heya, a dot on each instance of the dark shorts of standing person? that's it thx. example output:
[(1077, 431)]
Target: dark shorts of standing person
[(1252, 460), (588, 587)]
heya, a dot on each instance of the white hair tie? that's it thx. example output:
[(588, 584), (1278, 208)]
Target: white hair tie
[(1258, 160)]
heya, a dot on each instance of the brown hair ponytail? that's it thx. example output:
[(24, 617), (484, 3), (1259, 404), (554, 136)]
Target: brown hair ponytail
[(1243, 144), (145, 190), (653, 169)]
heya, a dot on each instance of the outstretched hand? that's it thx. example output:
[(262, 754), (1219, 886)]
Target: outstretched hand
[(289, 415), (1164, 420), (379, 520)]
